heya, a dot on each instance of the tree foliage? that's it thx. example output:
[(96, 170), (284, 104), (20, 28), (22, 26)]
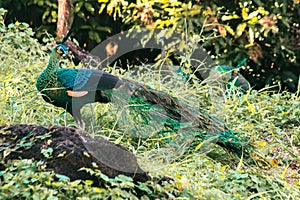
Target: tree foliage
[(268, 33)]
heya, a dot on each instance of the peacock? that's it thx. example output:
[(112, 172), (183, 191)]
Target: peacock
[(227, 76), (143, 111), (73, 88)]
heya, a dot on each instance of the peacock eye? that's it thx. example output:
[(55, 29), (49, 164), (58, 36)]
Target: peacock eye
[(59, 50)]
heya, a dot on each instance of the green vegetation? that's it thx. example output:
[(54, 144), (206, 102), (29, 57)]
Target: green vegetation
[(269, 119), (266, 32)]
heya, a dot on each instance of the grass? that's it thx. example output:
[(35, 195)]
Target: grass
[(269, 119)]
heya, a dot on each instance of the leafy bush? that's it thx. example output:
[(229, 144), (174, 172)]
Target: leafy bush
[(265, 32), (89, 26)]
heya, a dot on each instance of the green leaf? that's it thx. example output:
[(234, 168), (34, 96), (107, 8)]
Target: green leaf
[(104, 177), (144, 187), (10, 25), (123, 178), (88, 182), (229, 30), (47, 152), (62, 178), (240, 29), (229, 17), (253, 14), (89, 7), (251, 36), (2, 172), (78, 6), (102, 8)]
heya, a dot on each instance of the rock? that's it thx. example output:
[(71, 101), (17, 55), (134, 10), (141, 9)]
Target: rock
[(73, 149)]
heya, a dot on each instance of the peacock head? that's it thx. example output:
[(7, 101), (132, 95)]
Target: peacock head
[(61, 49)]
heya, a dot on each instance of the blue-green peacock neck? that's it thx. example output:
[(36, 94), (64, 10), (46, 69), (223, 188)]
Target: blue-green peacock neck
[(48, 78), (53, 63)]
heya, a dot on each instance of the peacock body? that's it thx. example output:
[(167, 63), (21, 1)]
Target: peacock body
[(73, 88)]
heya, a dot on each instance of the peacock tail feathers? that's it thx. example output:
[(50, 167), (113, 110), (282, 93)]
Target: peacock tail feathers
[(144, 113)]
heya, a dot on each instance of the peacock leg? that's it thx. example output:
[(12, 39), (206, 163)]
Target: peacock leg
[(81, 123), (77, 117)]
